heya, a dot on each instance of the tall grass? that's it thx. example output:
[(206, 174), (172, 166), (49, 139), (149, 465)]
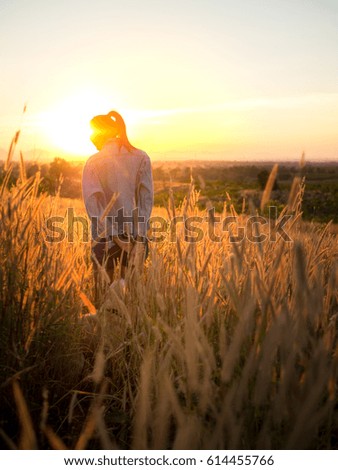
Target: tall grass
[(214, 345)]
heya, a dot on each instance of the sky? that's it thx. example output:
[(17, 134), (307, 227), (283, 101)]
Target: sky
[(195, 79)]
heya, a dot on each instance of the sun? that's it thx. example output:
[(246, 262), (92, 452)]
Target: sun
[(66, 124)]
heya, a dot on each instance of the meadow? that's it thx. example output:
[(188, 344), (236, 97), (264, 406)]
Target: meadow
[(217, 343)]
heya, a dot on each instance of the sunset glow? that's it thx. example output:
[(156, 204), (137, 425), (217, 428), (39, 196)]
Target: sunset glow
[(66, 124), (209, 79)]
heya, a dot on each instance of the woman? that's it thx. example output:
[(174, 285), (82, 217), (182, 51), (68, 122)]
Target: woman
[(117, 189)]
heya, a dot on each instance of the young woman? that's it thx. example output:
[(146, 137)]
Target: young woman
[(117, 189)]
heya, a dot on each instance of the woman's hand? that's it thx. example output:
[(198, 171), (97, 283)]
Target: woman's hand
[(124, 245)]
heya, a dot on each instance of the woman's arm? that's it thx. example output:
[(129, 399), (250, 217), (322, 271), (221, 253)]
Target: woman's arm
[(145, 196), (94, 200)]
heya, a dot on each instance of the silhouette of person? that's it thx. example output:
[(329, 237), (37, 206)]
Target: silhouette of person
[(117, 188)]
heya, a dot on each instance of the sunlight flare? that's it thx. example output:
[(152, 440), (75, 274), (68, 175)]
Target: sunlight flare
[(66, 125)]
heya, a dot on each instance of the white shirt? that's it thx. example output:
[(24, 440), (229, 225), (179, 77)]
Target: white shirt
[(125, 179)]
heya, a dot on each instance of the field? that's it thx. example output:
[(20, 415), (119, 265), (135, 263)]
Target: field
[(221, 341), (214, 180)]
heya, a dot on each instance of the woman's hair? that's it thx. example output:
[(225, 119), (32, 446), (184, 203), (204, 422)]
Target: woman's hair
[(110, 126)]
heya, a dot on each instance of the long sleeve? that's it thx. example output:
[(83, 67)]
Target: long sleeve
[(94, 199), (145, 199)]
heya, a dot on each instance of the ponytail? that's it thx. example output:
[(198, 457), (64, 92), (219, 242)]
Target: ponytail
[(121, 130)]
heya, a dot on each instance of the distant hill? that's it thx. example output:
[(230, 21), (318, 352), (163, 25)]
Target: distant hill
[(40, 155)]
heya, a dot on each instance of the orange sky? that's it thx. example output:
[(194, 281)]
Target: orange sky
[(206, 79)]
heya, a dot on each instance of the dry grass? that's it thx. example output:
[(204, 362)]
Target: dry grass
[(212, 346)]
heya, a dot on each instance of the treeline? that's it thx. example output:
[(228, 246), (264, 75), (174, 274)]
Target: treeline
[(65, 177), (59, 176), (245, 182)]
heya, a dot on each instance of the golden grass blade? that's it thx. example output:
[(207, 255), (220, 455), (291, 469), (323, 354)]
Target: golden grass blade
[(269, 185), (66, 273), (143, 414), (93, 419), (23, 176), (87, 303), (99, 365), (11, 150), (294, 192), (27, 437), (54, 440), (3, 187), (72, 406), (87, 432), (107, 442)]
